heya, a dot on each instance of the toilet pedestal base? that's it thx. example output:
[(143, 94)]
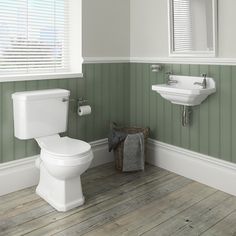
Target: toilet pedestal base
[(63, 195)]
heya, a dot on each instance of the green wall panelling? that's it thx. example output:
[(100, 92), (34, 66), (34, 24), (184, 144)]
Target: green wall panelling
[(1, 130), (233, 118), (204, 121), (167, 110), (146, 88), (103, 86), (176, 115), (212, 131), (185, 131), (214, 115), (195, 130), (122, 92), (226, 112), (153, 106)]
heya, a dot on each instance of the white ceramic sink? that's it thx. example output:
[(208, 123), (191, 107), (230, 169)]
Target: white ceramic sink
[(185, 92)]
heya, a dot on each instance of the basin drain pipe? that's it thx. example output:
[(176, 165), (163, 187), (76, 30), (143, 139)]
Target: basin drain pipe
[(186, 112)]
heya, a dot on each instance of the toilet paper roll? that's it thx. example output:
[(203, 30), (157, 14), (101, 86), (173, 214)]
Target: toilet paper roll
[(84, 110)]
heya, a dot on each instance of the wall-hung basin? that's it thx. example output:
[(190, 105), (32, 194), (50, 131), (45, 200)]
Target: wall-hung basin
[(186, 90)]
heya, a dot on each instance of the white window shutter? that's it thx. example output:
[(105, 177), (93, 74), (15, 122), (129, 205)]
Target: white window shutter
[(33, 36), (182, 28)]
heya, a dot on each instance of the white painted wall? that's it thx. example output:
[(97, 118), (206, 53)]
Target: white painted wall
[(138, 28), (106, 28), (149, 28)]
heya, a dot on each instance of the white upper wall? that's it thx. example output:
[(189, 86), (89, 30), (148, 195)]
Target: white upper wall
[(138, 28), (106, 28), (149, 28)]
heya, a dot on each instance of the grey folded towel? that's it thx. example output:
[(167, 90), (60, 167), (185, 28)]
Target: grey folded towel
[(133, 152)]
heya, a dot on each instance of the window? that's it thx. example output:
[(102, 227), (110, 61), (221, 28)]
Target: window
[(192, 28), (38, 36)]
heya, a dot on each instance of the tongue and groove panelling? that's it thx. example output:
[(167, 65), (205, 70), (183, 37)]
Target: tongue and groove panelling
[(121, 92), (106, 86), (213, 128)]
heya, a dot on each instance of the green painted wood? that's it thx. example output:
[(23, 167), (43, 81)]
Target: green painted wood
[(146, 91), (98, 108), (1, 124), (168, 111), (233, 107), (176, 115), (72, 126), (204, 120), (225, 112), (122, 93), (185, 131), (214, 114), (114, 94), (105, 98), (153, 107), (81, 120), (120, 96), (133, 102), (126, 105), (161, 108), (139, 95), (212, 130), (90, 96), (43, 84), (8, 152), (195, 130), (103, 86)]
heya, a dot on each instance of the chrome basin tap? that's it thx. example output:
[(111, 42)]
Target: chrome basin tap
[(204, 82), (170, 81)]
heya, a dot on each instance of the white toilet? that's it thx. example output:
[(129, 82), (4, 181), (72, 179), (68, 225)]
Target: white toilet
[(42, 115)]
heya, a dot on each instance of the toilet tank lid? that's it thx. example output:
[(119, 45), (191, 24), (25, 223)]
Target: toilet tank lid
[(41, 94)]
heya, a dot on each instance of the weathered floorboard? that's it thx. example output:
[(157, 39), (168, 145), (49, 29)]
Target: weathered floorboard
[(153, 202)]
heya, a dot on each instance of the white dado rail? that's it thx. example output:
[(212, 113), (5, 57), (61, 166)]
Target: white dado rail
[(163, 60)]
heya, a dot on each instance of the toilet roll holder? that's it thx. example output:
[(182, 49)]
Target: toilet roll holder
[(81, 101), (83, 109)]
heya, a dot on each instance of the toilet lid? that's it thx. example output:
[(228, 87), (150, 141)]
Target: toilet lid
[(65, 146)]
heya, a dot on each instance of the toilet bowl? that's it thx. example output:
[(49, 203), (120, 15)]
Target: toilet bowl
[(42, 115), (61, 162)]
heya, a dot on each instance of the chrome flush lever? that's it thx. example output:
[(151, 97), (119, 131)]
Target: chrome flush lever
[(68, 100)]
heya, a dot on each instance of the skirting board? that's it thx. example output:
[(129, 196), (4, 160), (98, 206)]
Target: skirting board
[(210, 171), (20, 174)]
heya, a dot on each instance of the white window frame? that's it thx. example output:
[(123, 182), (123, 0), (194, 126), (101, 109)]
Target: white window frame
[(191, 54), (75, 50)]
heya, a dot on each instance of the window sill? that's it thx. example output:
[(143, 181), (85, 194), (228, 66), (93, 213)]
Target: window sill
[(49, 76)]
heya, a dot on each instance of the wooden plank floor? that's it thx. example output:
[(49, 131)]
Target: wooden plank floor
[(153, 202)]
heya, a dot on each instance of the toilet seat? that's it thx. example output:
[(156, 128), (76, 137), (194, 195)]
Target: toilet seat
[(64, 147)]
